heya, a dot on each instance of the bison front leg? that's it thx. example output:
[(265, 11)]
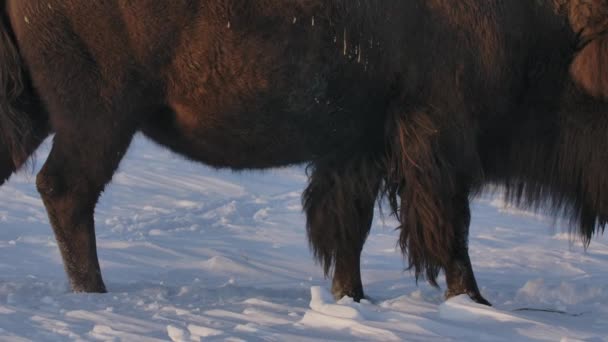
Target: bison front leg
[(431, 166), (459, 274), (347, 271), (339, 204)]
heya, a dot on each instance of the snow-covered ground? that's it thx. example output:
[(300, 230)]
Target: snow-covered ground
[(189, 253)]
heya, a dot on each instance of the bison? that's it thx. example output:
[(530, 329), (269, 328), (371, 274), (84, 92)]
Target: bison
[(418, 102)]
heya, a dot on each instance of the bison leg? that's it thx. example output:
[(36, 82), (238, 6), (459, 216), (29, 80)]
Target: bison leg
[(347, 271), (339, 205), (94, 102), (80, 164), (431, 166), (459, 272)]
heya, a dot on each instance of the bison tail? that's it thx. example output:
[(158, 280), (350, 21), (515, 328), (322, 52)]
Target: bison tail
[(420, 189), (16, 126)]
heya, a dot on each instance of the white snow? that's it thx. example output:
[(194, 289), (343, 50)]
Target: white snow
[(193, 254)]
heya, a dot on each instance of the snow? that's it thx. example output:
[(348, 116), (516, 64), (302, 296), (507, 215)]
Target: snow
[(194, 254)]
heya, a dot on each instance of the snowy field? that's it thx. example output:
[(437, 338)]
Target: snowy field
[(189, 253)]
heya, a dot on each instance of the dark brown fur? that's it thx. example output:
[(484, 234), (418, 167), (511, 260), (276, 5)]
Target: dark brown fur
[(22, 121), (422, 102)]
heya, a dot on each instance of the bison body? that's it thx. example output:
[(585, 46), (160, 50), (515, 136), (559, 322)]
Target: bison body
[(420, 101)]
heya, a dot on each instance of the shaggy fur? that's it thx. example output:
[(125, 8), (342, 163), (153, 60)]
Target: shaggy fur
[(419, 102), (558, 162), (339, 204), (419, 190)]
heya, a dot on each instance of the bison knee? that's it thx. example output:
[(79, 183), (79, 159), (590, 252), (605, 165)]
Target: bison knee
[(48, 184)]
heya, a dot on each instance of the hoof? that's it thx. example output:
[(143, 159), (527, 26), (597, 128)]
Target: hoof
[(92, 287), (354, 294), (475, 296), (356, 298), (480, 300)]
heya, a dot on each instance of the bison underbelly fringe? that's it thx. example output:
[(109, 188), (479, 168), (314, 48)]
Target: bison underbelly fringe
[(562, 170)]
